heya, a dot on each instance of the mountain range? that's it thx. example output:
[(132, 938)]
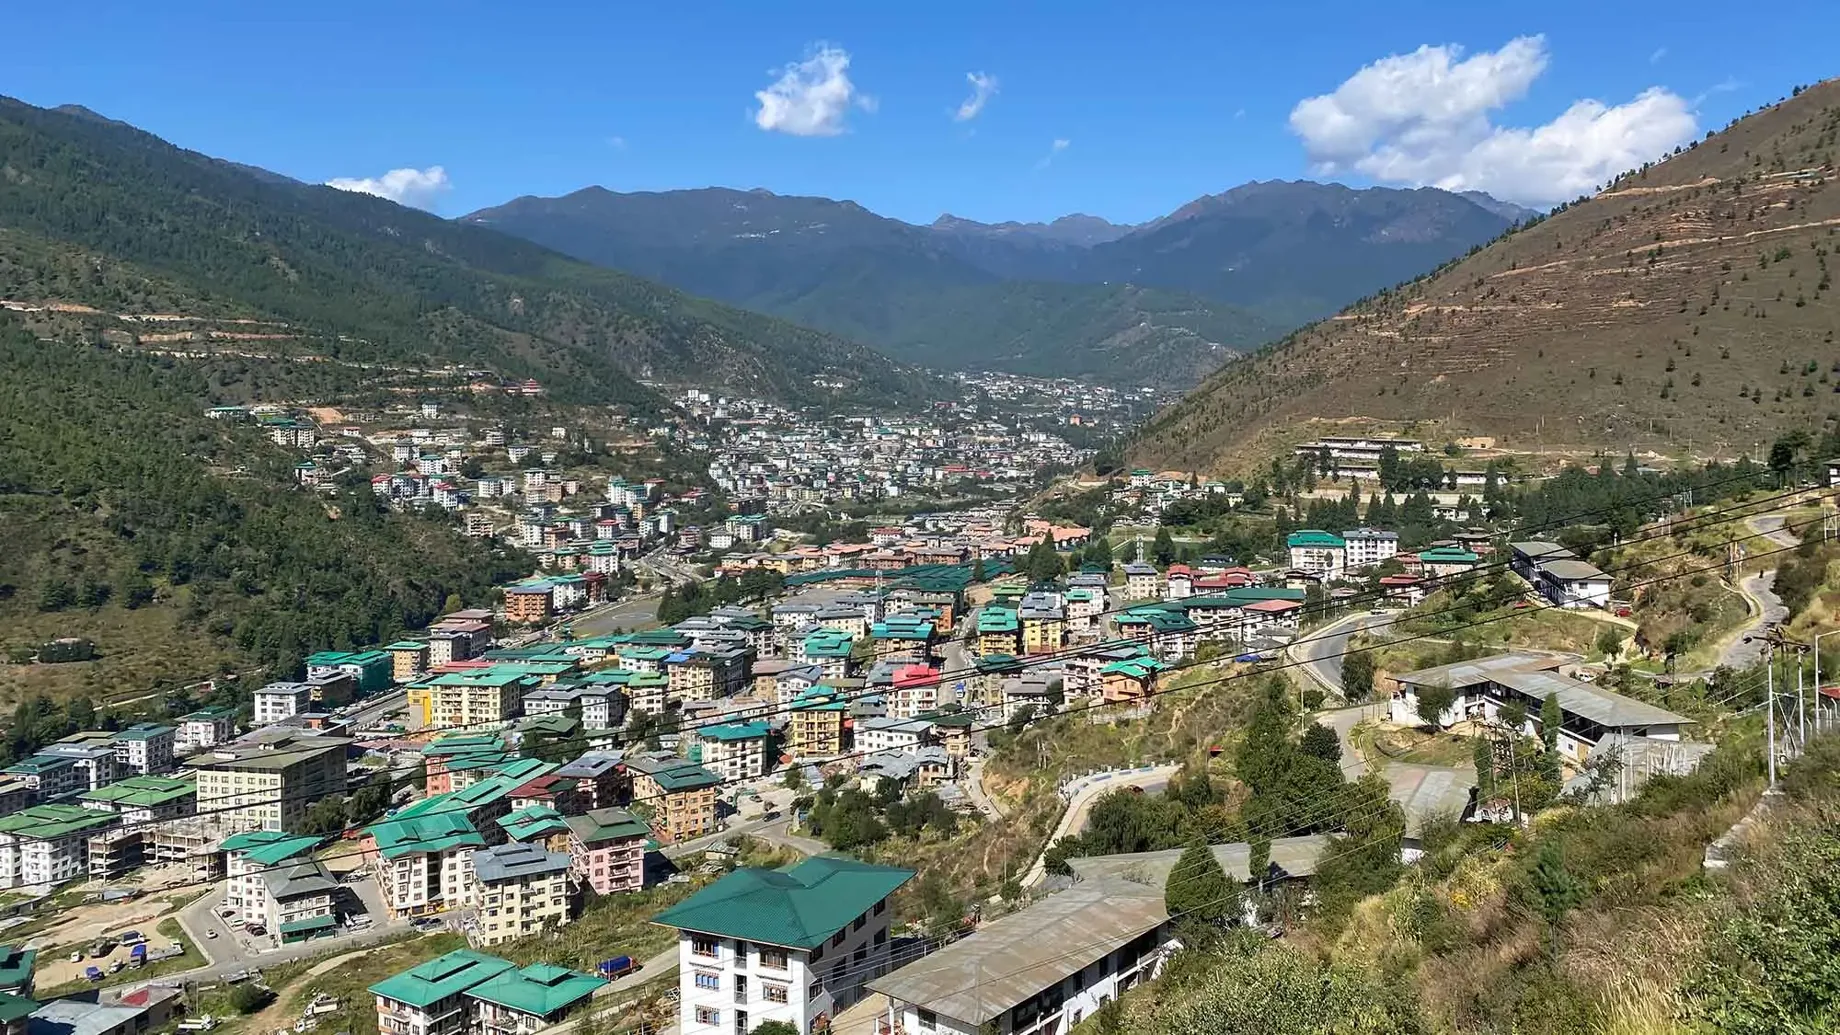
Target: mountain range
[(1161, 303), (1686, 308), (102, 220)]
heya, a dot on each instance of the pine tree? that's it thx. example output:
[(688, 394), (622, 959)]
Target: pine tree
[(1198, 889)]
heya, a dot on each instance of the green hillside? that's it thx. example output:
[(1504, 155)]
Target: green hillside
[(99, 214), (178, 543)]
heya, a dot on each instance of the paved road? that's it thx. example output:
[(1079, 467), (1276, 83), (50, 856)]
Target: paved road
[(974, 789), (1343, 721), (1073, 820), (1766, 607), (779, 832), (1320, 650), (235, 949)]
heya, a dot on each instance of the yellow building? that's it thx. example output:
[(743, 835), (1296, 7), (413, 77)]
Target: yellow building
[(680, 795), (269, 782), (815, 728), (479, 696), (999, 631), (521, 889)]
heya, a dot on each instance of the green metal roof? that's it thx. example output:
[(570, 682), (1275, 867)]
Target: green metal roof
[(144, 731), (463, 744), (995, 620), (312, 923), (541, 989), (1447, 555), (143, 791), (1315, 537), (533, 821), (428, 983), (436, 833), (50, 822), (798, 907), (16, 966), (14, 1007), (607, 825), (268, 847), (734, 731)]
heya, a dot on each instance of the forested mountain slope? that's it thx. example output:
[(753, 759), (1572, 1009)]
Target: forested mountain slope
[(920, 294), (176, 542), (1688, 307), (358, 278)]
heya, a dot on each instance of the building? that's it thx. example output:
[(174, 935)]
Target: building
[(528, 604), (681, 796), (818, 724), (206, 727), (142, 1009), (144, 748), (479, 696), (370, 670), (1573, 584), (599, 777), (269, 782), (1324, 554), (1044, 623), (16, 970), (1368, 547), (139, 800), (873, 735), (999, 632), (1141, 581), (408, 658), (1441, 562), (793, 945), (607, 850), (529, 999), (47, 844), (1589, 713), (278, 701), (523, 889), (249, 858), (430, 998), (297, 901), (424, 864), (735, 751), (66, 769), (1042, 969)]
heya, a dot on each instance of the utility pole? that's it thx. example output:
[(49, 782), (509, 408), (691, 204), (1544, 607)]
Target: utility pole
[(1769, 711)]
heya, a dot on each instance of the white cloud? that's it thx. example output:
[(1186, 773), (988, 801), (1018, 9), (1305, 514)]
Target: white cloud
[(811, 97), (1655, 58), (1424, 119), (618, 143), (417, 188), (983, 88), (1060, 144)]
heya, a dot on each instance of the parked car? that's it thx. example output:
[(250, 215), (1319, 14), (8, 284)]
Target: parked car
[(76, 956), (210, 932)]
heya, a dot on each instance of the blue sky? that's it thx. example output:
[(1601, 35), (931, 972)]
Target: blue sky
[(1155, 103)]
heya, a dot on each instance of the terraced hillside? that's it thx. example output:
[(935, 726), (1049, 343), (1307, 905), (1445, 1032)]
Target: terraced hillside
[(1688, 307)]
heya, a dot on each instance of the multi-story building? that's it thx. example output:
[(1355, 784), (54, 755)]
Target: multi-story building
[(269, 781), (424, 864), (206, 727), (735, 751), (1318, 552), (794, 945), (430, 998), (1044, 623), (249, 857), (522, 889), (913, 691), (680, 794), (370, 670), (600, 779), (607, 850), (873, 735), (530, 999), (528, 604), (278, 701), (407, 659), (1084, 608), (47, 844), (816, 726), (66, 769), (139, 800), (145, 748), (999, 632), (480, 696), (1141, 581), (297, 901), (1119, 935), (1369, 547)]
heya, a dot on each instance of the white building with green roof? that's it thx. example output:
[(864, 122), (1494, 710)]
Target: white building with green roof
[(145, 748), (47, 844), (530, 998), (430, 997), (144, 799), (249, 857), (793, 945)]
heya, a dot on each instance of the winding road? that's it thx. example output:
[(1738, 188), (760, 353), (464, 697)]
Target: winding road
[(1320, 651), (1759, 590)]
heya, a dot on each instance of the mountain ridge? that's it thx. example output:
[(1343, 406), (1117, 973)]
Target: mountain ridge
[(1658, 314)]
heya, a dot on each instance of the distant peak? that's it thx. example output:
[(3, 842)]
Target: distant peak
[(80, 112)]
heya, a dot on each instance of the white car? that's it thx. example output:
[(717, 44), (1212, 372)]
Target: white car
[(210, 932)]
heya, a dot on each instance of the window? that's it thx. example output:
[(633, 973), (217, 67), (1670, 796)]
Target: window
[(881, 936), (860, 921), (700, 946), (774, 959), (881, 907), (704, 1015), (707, 980), (775, 993), (837, 939), (928, 1020), (862, 953)]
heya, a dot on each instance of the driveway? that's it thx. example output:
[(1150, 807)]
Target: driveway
[(236, 949), (1343, 721), (1759, 590)]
